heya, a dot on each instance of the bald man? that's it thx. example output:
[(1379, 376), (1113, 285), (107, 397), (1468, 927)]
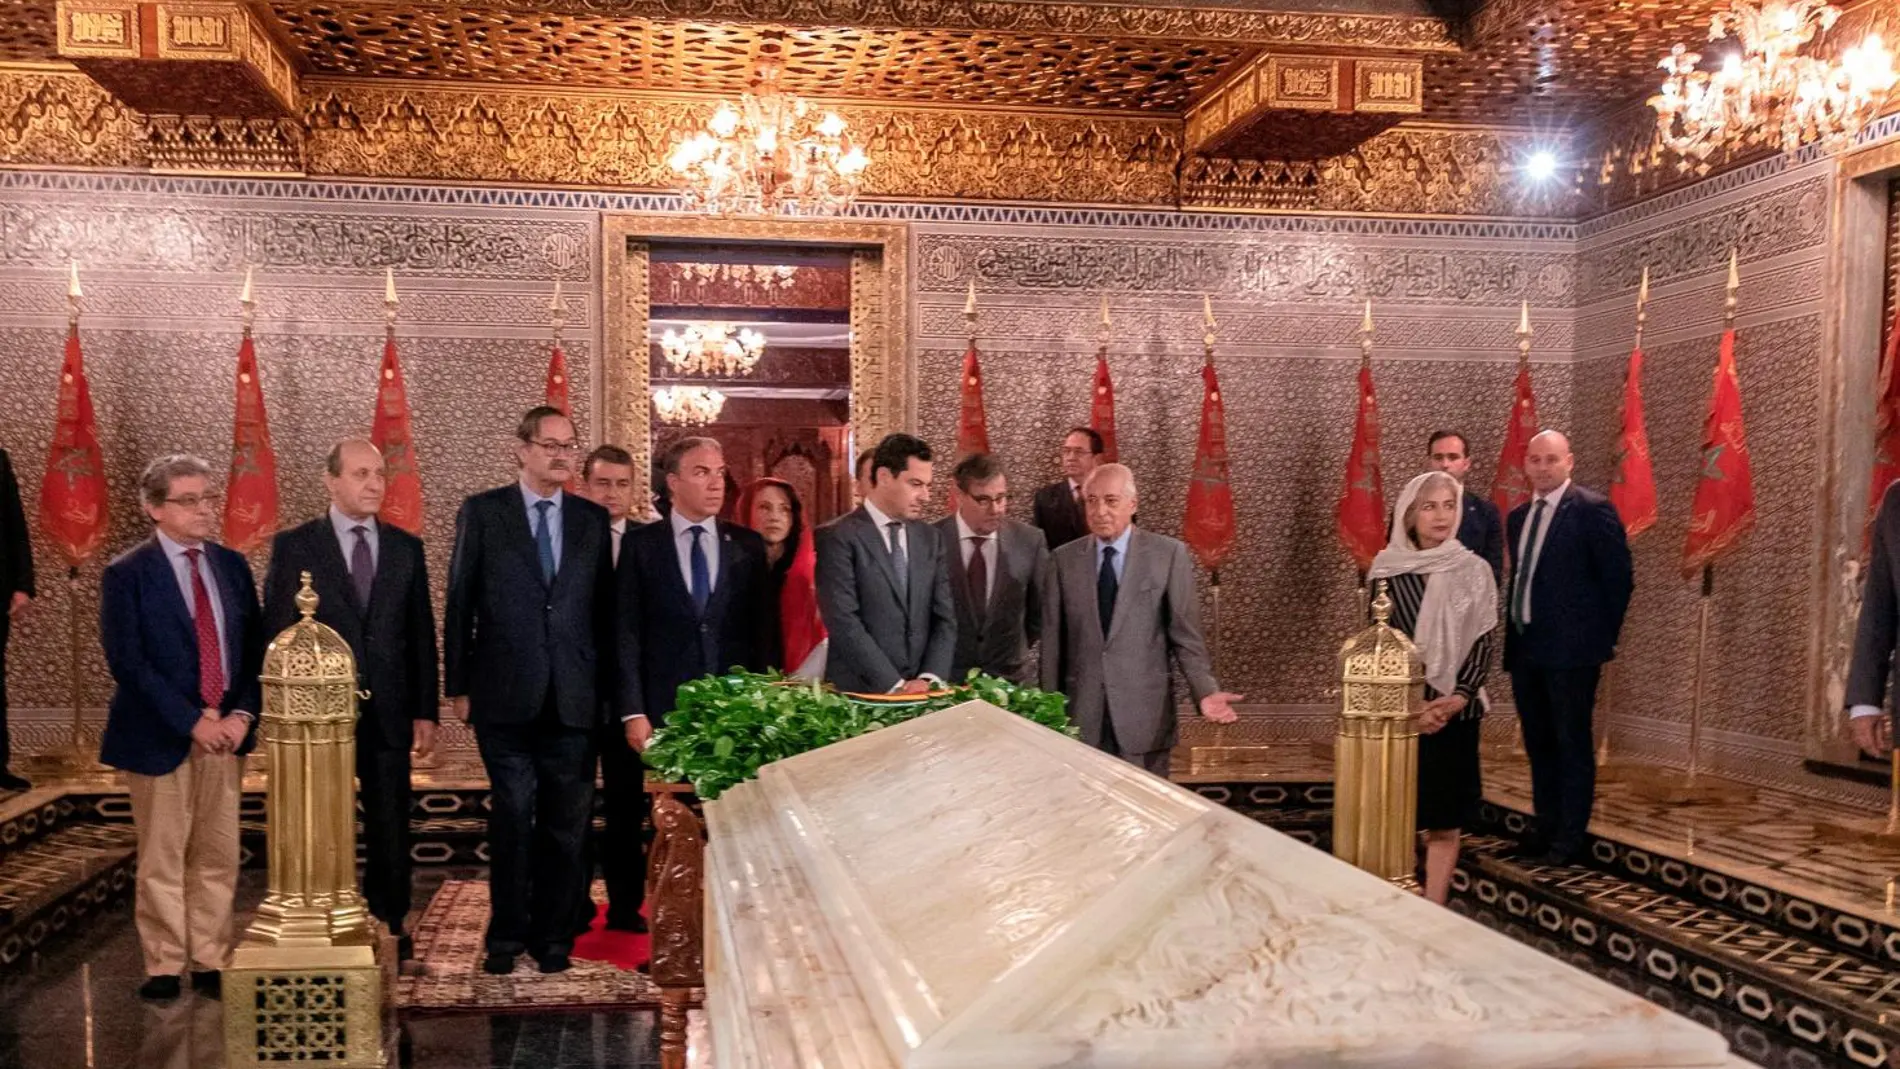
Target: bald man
[(1117, 605), (1570, 586)]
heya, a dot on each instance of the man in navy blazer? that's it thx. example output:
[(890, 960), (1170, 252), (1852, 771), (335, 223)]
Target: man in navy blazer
[(1570, 586), (178, 617), (1479, 528), (533, 651), (701, 600), (372, 587)]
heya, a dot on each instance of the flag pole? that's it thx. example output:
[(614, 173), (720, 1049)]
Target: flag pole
[(1364, 607), (1208, 338), (1607, 693), (1524, 335), (1690, 787)]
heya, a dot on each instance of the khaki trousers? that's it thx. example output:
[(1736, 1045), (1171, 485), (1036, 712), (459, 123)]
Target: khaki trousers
[(187, 824)]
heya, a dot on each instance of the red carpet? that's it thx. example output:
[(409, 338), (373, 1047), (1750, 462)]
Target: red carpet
[(624, 950)]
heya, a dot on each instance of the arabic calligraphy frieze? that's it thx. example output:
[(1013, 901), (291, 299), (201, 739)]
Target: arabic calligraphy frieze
[(139, 236), (1281, 271)]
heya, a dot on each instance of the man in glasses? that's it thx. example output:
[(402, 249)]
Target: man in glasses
[(533, 652), (997, 567), (1058, 506), (184, 641)]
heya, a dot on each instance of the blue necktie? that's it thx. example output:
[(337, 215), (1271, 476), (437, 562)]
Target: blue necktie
[(1106, 586), (1522, 579), (702, 575), (544, 540)]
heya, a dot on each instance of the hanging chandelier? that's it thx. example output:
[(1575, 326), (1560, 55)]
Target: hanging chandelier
[(768, 155), (713, 349), (688, 406), (1766, 93)]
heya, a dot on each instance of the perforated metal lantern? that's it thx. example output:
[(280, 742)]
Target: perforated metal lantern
[(304, 984), (1375, 757)]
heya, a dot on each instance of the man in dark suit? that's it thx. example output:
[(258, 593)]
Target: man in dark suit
[(1058, 506), (997, 569), (883, 584), (16, 584), (701, 599), (1876, 635), (1122, 608), (1570, 586), (372, 587), (179, 620), (1479, 528), (532, 648)]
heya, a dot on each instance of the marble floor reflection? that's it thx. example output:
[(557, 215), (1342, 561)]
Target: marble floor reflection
[(76, 1007)]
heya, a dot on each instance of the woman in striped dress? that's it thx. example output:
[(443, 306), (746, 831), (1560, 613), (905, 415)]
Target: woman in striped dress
[(1445, 599)]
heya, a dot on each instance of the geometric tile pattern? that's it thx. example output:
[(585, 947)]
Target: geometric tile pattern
[(61, 877)]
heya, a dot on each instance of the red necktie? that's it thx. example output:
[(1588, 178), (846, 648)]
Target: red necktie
[(210, 650)]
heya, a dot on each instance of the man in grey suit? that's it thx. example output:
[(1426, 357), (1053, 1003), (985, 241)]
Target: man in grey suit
[(1119, 602), (997, 570), (883, 587)]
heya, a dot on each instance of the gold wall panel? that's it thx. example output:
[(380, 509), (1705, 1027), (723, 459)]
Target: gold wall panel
[(464, 134), (60, 118)]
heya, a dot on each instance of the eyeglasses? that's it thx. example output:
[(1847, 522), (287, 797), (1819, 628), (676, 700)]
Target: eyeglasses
[(192, 501), (985, 501), (555, 448)]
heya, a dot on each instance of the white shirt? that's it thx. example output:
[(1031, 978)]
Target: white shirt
[(346, 538), (181, 568), (1528, 556), (969, 548), (616, 529), (708, 544), (884, 532)]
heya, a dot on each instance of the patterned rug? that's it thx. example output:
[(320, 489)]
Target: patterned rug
[(449, 949)]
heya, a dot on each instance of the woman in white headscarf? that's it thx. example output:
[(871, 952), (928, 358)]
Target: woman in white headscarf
[(1445, 599)]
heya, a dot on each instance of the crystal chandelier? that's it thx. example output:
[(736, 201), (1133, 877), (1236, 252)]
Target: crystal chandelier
[(713, 349), (1767, 93), (768, 156), (688, 406)]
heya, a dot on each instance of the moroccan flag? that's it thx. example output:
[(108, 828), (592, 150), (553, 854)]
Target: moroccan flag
[(1209, 530), (557, 380), (1102, 408), (1886, 426), (1512, 487), (73, 496), (1633, 484), (250, 493), (1724, 508), (402, 500), (973, 435), (1362, 503)]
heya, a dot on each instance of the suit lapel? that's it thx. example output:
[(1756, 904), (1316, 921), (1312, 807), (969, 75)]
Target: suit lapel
[(960, 575), (923, 572), (873, 540), (668, 540), (574, 541), (514, 520), (330, 557), (716, 602), (163, 573), (1125, 586)]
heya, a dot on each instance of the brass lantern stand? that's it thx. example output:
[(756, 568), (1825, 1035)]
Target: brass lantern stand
[(1375, 759), (305, 985)]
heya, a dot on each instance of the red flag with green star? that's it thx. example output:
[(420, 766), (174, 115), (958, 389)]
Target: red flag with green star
[(1102, 408), (557, 380), (1886, 426), (73, 496), (1724, 507), (1361, 514), (250, 492), (1633, 481), (1209, 528), (973, 434), (1512, 487), (402, 500)]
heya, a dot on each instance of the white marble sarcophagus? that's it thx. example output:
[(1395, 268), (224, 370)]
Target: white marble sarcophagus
[(971, 890)]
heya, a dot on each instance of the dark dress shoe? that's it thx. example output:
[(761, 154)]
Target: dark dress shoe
[(636, 924), (498, 964), (551, 963), (1555, 858), (160, 987), (11, 782), (211, 982)]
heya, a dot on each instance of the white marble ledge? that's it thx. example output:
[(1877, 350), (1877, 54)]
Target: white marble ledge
[(969, 890)]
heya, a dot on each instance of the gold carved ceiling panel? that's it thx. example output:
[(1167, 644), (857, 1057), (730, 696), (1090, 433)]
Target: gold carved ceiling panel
[(28, 31), (918, 65)]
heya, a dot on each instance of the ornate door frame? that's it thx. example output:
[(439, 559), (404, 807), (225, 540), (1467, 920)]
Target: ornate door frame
[(883, 394)]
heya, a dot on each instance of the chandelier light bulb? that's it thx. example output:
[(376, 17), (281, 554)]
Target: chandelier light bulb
[(831, 126), (724, 122), (770, 153)]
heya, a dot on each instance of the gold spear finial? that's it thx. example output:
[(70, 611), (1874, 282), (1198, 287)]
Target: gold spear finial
[(1734, 283), (557, 311), (1524, 332), (1365, 336), (389, 301), (247, 303), (1642, 306), (72, 293)]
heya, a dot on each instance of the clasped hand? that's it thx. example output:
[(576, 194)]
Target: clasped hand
[(215, 733), (1438, 712)]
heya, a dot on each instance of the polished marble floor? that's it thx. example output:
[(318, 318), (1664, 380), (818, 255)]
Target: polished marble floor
[(75, 1007)]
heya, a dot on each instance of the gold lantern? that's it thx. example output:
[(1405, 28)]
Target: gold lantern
[(1375, 758), (304, 985)]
